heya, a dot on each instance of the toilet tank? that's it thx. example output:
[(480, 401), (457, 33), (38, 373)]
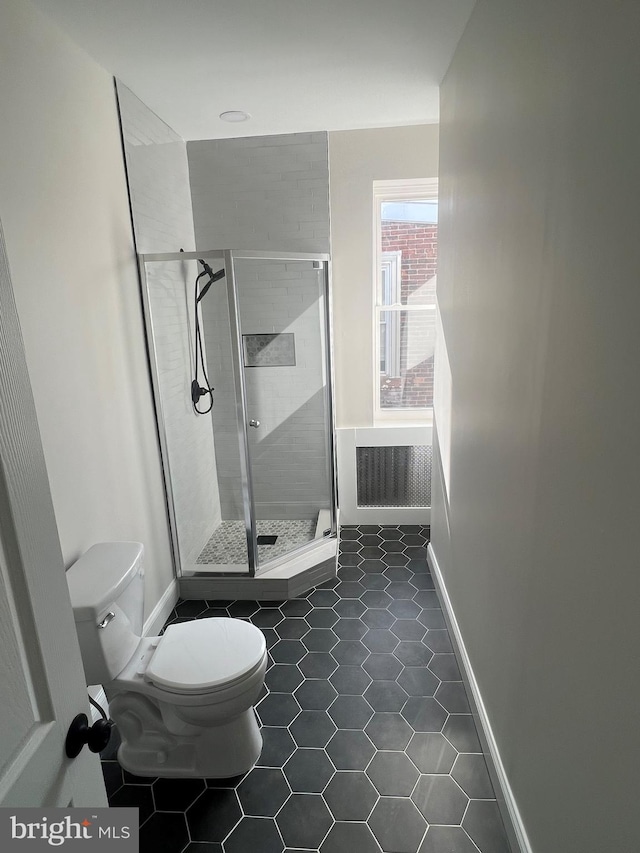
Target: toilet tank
[(107, 595)]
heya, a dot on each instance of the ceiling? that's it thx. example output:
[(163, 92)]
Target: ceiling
[(293, 65)]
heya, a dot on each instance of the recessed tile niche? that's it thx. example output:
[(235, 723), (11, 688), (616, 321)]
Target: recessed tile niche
[(269, 350)]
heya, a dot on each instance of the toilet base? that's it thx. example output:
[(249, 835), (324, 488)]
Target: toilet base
[(218, 752)]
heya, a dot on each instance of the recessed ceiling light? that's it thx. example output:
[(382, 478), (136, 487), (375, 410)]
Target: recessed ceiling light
[(234, 115)]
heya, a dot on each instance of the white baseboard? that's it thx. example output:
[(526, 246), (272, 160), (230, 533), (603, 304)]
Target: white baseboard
[(506, 801), (162, 610)]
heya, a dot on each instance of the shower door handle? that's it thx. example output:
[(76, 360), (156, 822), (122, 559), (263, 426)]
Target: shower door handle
[(254, 423)]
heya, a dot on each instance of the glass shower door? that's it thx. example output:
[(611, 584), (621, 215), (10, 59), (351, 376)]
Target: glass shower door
[(282, 311), (204, 462)]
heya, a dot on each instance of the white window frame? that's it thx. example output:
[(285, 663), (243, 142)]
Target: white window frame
[(391, 264), (418, 189)]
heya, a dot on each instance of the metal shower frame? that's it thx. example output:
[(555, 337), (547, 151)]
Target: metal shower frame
[(228, 256)]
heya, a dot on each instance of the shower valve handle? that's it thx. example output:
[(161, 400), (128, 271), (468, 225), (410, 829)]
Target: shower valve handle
[(198, 391)]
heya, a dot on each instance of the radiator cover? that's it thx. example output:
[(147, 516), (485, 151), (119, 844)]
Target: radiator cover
[(394, 476)]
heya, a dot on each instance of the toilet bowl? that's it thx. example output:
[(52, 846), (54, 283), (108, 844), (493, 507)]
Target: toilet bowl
[(182, 702)]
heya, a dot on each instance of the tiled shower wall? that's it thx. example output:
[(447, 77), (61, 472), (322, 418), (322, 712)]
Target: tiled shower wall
[(288, 450), (261, 192), (267, 193), (158, 178), (217, 340)]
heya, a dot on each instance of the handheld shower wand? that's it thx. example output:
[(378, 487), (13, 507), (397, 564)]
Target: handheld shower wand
[(197, 390)]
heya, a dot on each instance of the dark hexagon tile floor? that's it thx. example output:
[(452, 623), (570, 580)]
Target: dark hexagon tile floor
[(369, 746)]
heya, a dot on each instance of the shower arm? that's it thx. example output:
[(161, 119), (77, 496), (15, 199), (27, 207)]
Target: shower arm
[(213, 276)]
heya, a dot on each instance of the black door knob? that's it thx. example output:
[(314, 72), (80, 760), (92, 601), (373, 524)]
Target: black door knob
[(80, 732)]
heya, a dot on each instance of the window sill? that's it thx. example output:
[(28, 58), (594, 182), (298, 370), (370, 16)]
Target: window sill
[(420, 418)]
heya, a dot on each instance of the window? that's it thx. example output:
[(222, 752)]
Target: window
[(406, 239)]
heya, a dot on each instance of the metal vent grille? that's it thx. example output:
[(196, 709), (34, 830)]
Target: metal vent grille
[(394, 476)]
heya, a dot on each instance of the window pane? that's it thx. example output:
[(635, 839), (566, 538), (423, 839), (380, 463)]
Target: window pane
[(408, 380), (412, 210), (383, 347), (390, 278), (409, 233)]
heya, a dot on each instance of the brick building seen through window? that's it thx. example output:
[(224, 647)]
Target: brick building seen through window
[(408, 267)]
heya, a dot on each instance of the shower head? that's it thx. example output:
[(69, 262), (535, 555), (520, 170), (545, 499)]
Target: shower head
[(213, 276)]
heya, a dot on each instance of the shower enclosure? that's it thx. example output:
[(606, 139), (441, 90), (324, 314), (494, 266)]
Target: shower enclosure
[(250, 485)]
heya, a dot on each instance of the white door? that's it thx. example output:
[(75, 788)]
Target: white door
[(42, 684)]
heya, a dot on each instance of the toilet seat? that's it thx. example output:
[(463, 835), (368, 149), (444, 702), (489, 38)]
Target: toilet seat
[(206, 656)]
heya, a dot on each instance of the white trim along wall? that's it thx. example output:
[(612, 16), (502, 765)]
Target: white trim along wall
[(513, 824)]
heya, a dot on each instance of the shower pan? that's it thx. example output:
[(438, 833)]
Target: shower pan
[(249, 473)]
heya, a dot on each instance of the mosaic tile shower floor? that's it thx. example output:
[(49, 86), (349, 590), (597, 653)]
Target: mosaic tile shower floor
[(228, 545), (369, 744)]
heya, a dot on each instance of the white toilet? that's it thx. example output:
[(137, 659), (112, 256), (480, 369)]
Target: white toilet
[(183, 702)]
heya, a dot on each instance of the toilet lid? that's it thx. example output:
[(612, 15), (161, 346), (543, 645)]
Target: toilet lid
[(203, 654)]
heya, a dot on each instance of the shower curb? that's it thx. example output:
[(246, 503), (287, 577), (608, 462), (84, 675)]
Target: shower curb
[(259, 588)]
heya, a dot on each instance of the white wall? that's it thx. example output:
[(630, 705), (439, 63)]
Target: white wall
[(538, 536), (64, 209), (358, 158), (261, 192), (158, 176)]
